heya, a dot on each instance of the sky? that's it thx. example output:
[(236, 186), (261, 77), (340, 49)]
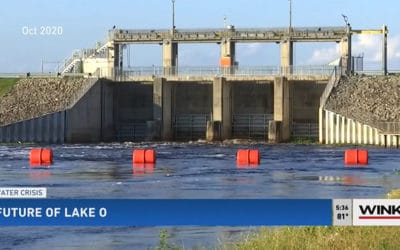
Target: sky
[(80, 24)]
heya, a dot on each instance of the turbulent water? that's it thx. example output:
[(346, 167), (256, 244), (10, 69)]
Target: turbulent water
[(184, 170)]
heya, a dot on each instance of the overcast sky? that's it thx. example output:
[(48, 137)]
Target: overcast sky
[(84, 23)]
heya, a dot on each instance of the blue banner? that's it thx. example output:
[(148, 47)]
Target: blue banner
[(165, 212)]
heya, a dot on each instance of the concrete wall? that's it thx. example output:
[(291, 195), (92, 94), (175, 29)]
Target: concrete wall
[(89, 120), (45, 129), (107, 102), (252, 98), (99, 110), (305, 100), (83, 120), (90, 65), (133, 102), (192, 98)]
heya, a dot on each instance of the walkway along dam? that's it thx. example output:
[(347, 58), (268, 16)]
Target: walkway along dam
[(174, 102)]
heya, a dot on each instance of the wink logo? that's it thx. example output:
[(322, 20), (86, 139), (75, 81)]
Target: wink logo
[(380, 210), (376, 212)]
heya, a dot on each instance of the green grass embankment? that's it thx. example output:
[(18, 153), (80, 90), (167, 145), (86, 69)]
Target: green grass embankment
[(6, 84)]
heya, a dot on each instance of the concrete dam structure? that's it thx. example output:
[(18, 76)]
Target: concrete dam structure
[(174, 110), (175, 102)]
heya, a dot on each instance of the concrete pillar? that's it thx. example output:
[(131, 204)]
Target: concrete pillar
[(371, 136), (343, 129), (345, 54), (327, 127), (353, 132), (378, 140), (274, 131), (348, 130), (332, 127), (389, 141), (359, 133), (170, 57), (228, 56), (338, 129), (365, 134), (321, 125), (114, 60), (222, 110), (286, 57), (213, 132), (282, 105), (162, 108), (382, 140)]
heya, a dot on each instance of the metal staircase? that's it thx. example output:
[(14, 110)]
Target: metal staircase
[(72, 64)]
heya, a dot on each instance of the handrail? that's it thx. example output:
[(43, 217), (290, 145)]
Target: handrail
[(333, 81), (156, 71)]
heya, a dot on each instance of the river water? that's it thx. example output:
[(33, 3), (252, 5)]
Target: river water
[(184, 170)]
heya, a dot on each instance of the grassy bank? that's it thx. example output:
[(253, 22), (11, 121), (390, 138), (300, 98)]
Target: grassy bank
[(6, 84), (321, 238)]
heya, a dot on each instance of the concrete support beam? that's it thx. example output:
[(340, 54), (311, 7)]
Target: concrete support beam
[(162, 108), (222, 109), (170, 57), (286, 57), (282, 106)]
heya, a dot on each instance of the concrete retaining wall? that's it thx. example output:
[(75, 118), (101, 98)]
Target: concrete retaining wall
[(45, 129), (89, 120), (337, 129)]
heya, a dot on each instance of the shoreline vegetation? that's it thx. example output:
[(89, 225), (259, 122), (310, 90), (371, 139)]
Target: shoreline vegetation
[(329, 237), (307, 237)]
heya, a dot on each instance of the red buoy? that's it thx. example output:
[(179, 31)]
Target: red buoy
[(356, 156), (363, 157), (41, 156), (144, 156), (248, 157)]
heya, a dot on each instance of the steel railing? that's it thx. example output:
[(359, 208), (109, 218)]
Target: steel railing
[(156, 71), (190, 126), (333, 81), (300, 129), (251, 126)]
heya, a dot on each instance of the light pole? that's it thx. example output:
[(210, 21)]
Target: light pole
[(173, 15), (290, 16)]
